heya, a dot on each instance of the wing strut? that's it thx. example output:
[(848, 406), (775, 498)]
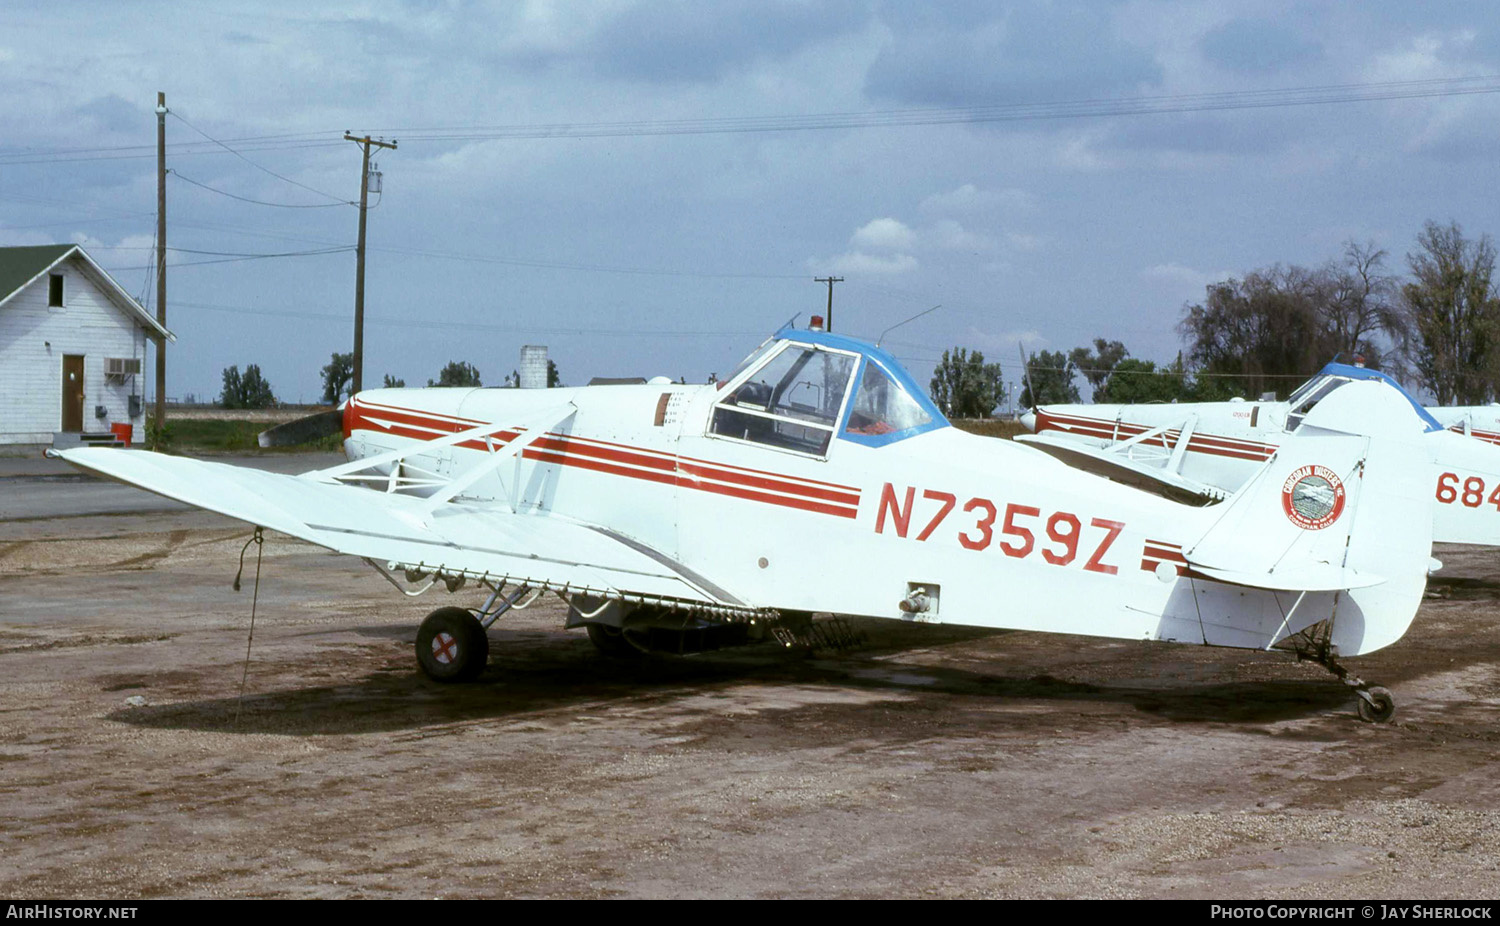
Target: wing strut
[(443, 490), (533, 429)]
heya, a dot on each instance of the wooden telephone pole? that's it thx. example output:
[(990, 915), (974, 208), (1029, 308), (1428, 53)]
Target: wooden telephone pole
[(828, 322), (359, 264), (161, 258)]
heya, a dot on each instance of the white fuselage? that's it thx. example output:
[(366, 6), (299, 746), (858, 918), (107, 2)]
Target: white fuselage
[(997, 534)]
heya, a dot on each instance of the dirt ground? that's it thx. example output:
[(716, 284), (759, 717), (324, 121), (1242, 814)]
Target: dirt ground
[(930, 762)]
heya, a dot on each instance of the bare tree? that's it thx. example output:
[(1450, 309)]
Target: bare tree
[(1361, 303)]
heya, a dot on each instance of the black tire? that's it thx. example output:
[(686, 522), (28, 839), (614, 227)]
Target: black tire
[(1380, 707), (452, 646), (611, 641)]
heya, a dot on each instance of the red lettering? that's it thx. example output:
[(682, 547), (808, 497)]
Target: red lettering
[(1068, 540), (949, 500), (902, 519), (1010, 527), (984, 525), (1096, 562)]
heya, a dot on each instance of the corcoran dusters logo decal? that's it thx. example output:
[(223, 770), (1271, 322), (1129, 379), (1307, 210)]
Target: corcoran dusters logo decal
[(1313, 497)]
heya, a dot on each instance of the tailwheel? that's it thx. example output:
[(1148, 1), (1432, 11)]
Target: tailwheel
[(1376, 705), (452, 646), (611, 641)]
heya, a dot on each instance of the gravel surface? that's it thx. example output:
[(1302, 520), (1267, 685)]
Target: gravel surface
[(930, 762)]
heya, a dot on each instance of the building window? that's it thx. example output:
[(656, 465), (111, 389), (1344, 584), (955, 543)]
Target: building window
[(55, 291)]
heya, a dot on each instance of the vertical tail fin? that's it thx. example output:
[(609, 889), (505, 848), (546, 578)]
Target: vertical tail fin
[(1341, 507)]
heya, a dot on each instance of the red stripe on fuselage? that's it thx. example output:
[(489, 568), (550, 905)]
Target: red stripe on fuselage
[(634, 463), (1210, 444)]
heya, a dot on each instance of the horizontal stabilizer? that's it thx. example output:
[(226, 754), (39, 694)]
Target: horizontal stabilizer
[(1146, 475), (1309, 577)]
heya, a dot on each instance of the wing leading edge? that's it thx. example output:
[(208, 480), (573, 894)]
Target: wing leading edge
[(473, 540)]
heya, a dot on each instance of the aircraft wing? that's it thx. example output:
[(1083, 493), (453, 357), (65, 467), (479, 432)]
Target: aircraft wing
[(1149, 475), (477, 540)]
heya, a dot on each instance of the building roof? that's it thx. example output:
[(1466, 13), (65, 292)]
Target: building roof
[(20, 266)]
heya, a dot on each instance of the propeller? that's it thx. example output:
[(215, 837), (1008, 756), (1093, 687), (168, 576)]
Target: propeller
[(304, 430)]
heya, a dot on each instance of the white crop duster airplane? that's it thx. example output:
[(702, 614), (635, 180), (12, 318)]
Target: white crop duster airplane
[(1210, 449), (820, 478)]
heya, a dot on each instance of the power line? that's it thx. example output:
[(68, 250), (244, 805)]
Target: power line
[(258, 166), (231, 260), (425, 322), (592, 268), (246, 199), (1008, 112)]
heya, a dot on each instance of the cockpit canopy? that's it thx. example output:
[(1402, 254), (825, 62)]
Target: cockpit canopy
[(801, 389), (1333, 376)]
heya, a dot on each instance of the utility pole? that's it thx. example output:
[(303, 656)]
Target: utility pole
[(828, 322), (161, 258), (359, 260)]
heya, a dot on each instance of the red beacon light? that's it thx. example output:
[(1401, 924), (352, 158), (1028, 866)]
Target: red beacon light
[(816, 324)]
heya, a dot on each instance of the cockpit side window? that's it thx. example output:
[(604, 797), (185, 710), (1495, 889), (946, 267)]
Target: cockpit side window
[(792, 402), (1303, 400), (881, 406)]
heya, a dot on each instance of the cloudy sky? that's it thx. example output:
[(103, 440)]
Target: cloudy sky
[(650, 187)]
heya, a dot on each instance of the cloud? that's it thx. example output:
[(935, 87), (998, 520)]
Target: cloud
[(886, 245), (1029, 52), (1001, 344), (1177, 281), (1250, 46), (684, 41), (951, 236), (969, 199), (886, 234), (858, 262)]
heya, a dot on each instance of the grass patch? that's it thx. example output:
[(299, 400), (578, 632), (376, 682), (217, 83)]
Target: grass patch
[(198, 435), (990, 427)]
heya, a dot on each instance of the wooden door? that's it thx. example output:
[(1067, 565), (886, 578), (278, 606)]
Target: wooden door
[(72, 392)]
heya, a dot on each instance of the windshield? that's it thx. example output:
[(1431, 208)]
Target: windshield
[(791, 402), (883, 407), (750, 360)]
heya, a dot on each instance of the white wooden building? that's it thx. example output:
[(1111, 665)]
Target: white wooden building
[(72, 347)]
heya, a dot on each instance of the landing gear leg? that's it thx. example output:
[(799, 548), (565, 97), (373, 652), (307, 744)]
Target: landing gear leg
[(1374, 703)]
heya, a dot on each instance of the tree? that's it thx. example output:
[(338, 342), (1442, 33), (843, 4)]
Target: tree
[(1454, 315), (457, 373), (1363, 301), (1137, 381), (391, 382), (554, 379), (964, 386), (338, 377), (1050, 374), (1096, 365), (1264, 332), (249, 390)]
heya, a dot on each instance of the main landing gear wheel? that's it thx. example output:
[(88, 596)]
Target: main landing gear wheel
[(611, 641), (1376, 705), (452, 646)]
